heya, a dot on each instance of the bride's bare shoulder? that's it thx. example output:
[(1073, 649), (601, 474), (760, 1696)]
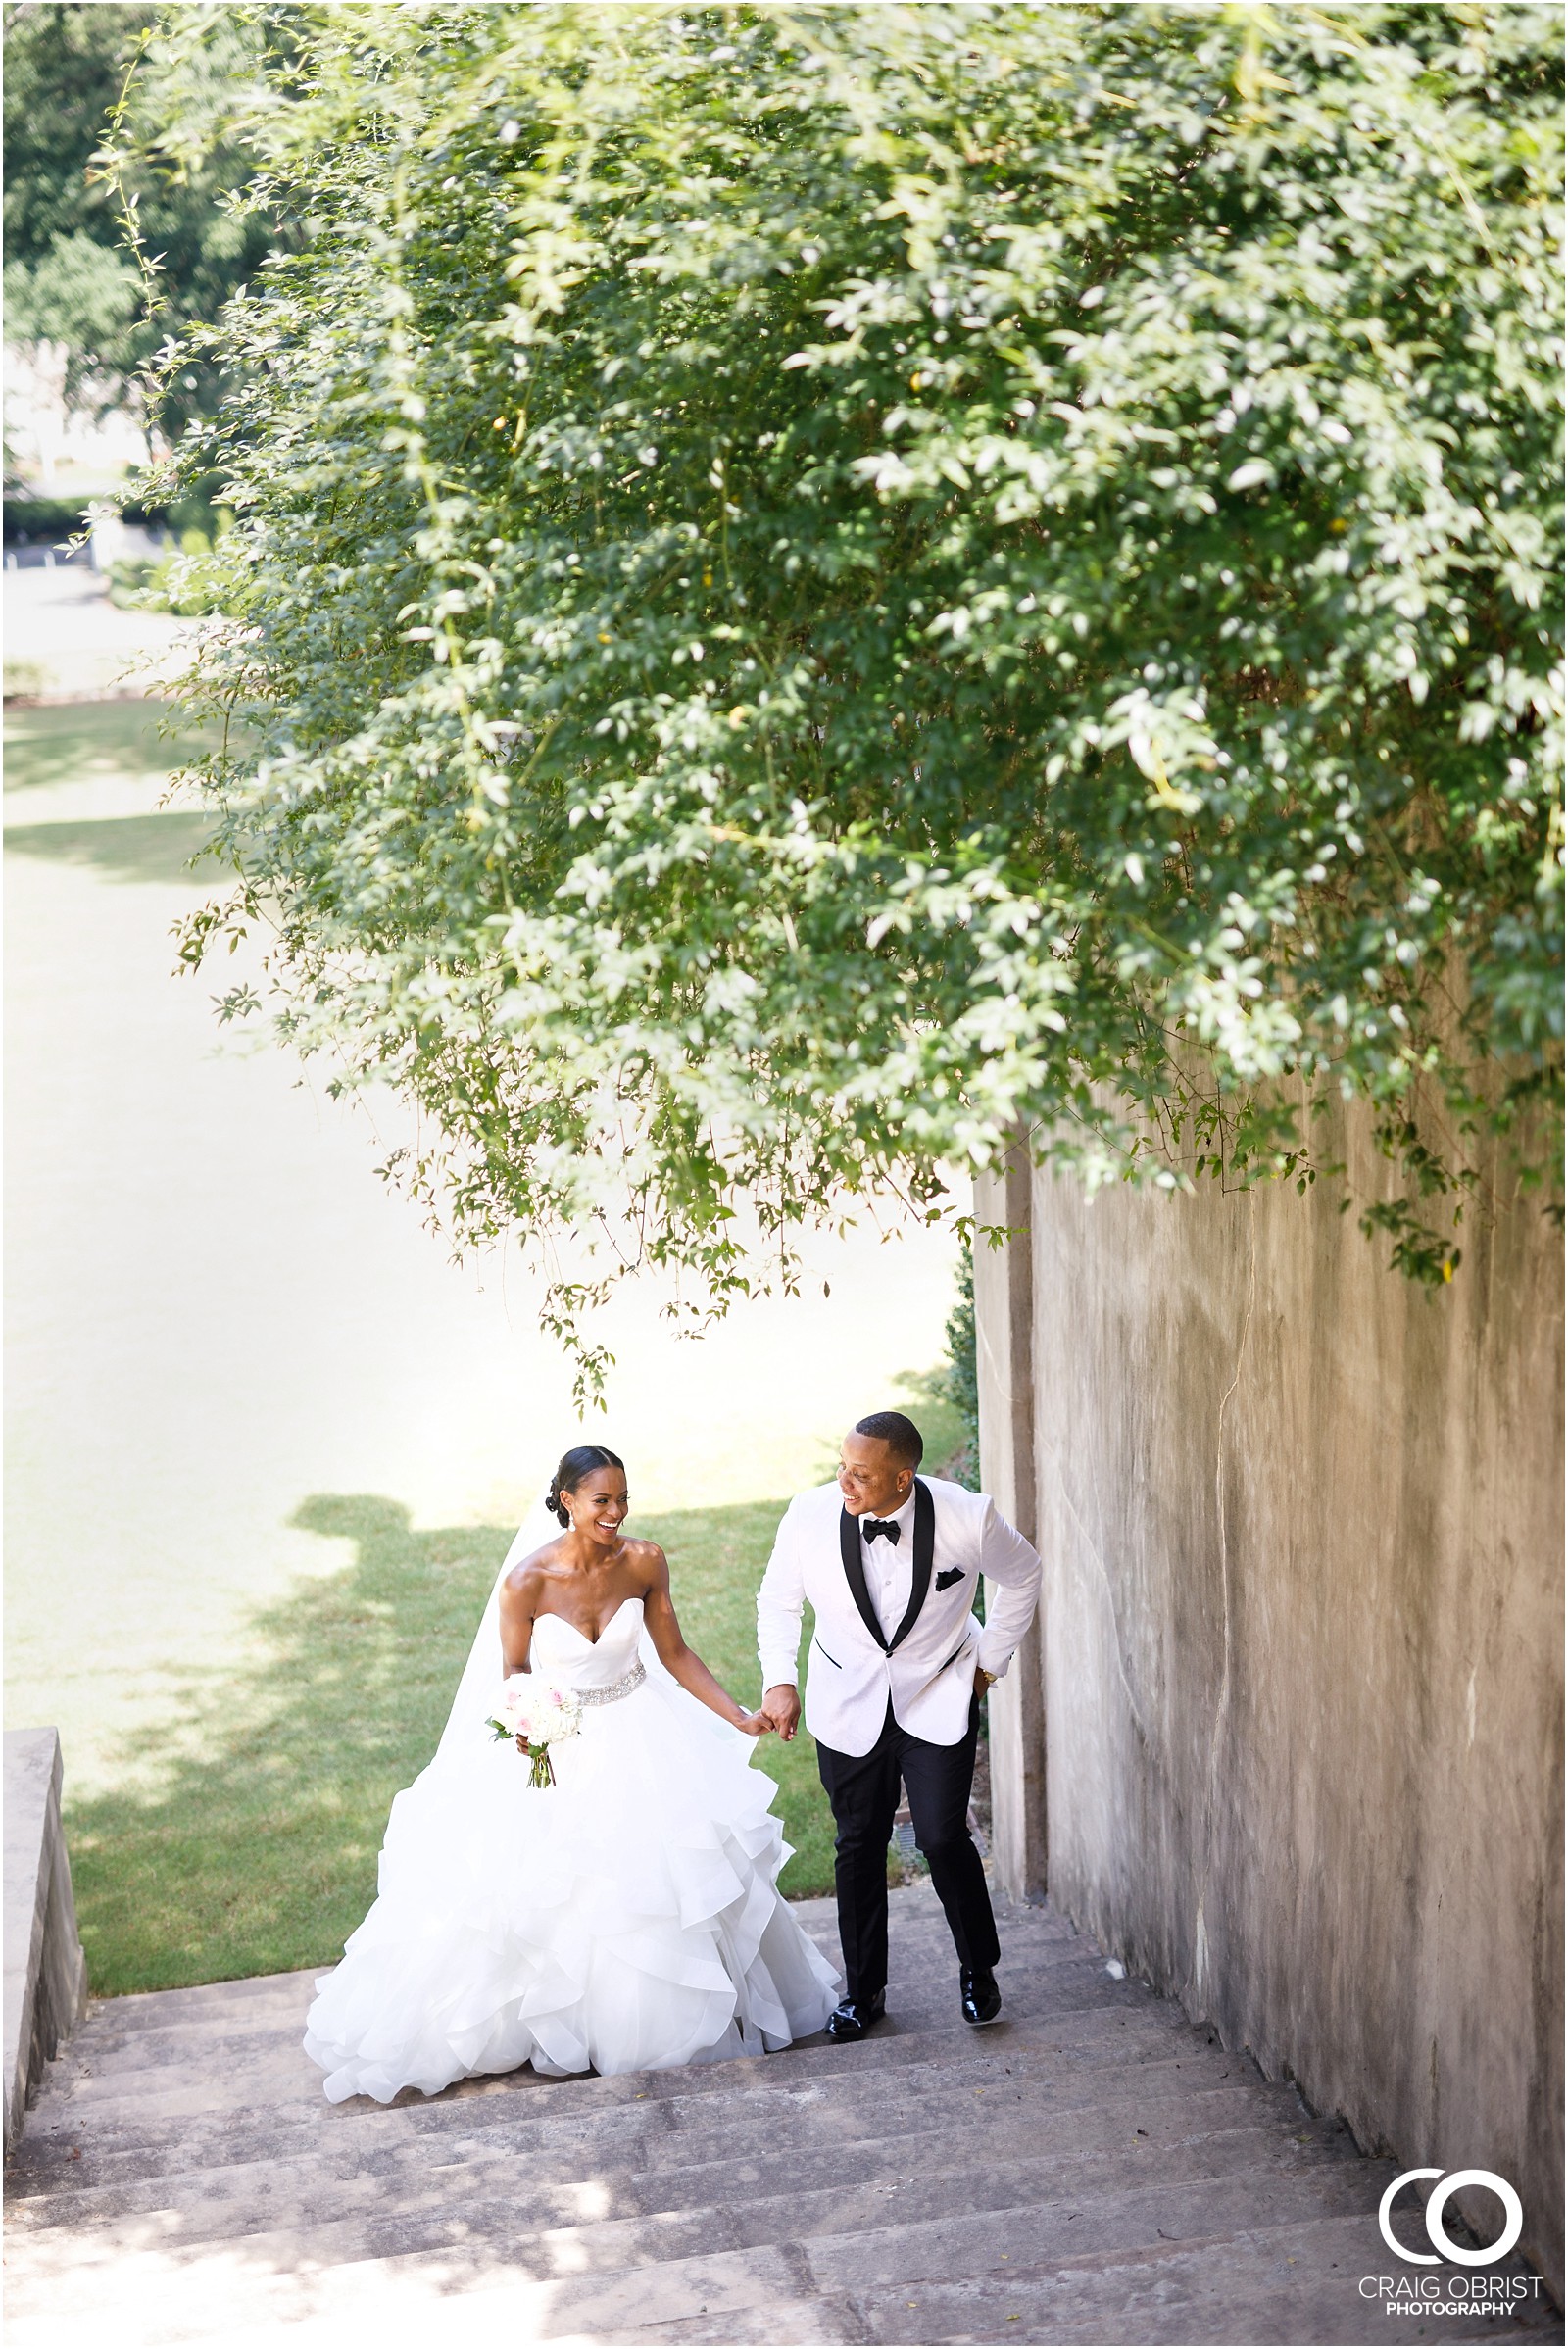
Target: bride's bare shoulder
[(647, 1560), (524, 1580)]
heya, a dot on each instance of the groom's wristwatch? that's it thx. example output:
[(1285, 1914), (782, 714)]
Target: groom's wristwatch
[(990, 1678)]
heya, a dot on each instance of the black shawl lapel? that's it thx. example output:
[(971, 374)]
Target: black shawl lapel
[(854, 1573), (925, 1542)]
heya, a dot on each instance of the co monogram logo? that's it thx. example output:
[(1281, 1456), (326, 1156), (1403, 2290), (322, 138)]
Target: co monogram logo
[(1436, 2203)]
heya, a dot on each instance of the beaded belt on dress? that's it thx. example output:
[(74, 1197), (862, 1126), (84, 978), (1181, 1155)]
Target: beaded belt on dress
[(628, 1681)]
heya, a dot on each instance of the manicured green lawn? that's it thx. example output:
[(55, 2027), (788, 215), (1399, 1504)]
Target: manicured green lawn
[(256, 1851), (92, 742)]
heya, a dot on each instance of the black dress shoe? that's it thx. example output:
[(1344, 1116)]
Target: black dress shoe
[(852, 2018), (978, 1994)]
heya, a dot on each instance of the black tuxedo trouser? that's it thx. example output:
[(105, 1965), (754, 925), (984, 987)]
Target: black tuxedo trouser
[(864, 1790)]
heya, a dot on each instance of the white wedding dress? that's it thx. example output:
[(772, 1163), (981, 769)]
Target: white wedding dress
[(625, 1919)]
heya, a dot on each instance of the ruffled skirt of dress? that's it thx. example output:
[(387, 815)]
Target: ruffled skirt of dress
[(625, 1919)]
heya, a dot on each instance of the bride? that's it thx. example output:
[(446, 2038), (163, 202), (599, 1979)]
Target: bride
[(624, 1919)]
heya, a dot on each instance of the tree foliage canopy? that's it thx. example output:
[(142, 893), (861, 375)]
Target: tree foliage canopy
[(72, 276), (818, 584)]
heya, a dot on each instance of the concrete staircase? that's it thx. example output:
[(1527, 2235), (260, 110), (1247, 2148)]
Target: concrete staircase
[(1091, 2169)]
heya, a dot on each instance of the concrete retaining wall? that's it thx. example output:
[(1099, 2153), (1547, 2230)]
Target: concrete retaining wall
[(1300, 1646), (46, 1975)]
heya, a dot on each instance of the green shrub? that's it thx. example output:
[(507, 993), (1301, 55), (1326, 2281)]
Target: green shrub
[(959, 1377), (186, 580), (43, 521), (818, 590)]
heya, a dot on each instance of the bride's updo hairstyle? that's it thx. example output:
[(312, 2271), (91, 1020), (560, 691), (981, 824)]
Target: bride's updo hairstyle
[(580, 1462)]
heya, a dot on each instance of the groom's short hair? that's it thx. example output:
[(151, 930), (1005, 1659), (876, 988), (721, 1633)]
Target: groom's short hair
[(900, 1436)]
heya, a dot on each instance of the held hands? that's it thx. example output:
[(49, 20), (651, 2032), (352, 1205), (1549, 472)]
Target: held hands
[(754, 1725), (781, 1709), (781, 1705)]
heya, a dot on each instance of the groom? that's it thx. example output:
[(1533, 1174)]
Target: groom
[(891, 1562)]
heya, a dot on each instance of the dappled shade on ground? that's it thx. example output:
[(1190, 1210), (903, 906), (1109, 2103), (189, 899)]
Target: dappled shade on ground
[(93, 742), (248, 1844), (108, 744), (121, 848)]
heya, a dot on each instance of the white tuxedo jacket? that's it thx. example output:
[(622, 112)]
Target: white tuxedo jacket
[(928, 1664)]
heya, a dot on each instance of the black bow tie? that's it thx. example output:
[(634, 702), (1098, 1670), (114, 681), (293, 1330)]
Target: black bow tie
[(884, 1525)]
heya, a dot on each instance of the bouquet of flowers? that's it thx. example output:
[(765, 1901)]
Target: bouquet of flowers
[(540, 1713)]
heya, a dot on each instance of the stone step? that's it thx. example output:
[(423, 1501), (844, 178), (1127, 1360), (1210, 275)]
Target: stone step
[(841, 2202), (919, 1942), (273, 2071), (755, 2129), (793, 2323), (725, 2279), (1287, 2284), (1000, 2163), (1280, 2285), (1092, 2169), (138, 2131), (111, 2032), (210, 2003), (921, 1945), (108, 2049), (632, 2174), (94, 2066), (963, 2257)]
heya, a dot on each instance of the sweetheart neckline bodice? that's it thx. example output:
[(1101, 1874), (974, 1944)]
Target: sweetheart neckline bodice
[(550, 1616)]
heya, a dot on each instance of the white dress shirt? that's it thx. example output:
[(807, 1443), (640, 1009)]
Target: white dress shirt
[(890, 1565)]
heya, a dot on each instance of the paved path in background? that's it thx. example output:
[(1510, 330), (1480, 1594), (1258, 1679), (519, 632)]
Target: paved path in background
[(1091, 2169), (60, 628)]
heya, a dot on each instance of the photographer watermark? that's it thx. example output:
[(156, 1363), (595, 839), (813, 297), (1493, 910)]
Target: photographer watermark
[(1438, 2200), (1452, 2295)]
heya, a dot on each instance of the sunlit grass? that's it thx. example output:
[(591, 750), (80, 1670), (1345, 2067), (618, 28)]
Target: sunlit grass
[(87, 742)]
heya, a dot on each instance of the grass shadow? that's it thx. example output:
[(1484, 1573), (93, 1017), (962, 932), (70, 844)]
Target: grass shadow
[(75, 742), (248, 1841), (122, 847)]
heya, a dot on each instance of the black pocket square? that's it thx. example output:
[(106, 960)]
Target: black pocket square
[(949, 1576)]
